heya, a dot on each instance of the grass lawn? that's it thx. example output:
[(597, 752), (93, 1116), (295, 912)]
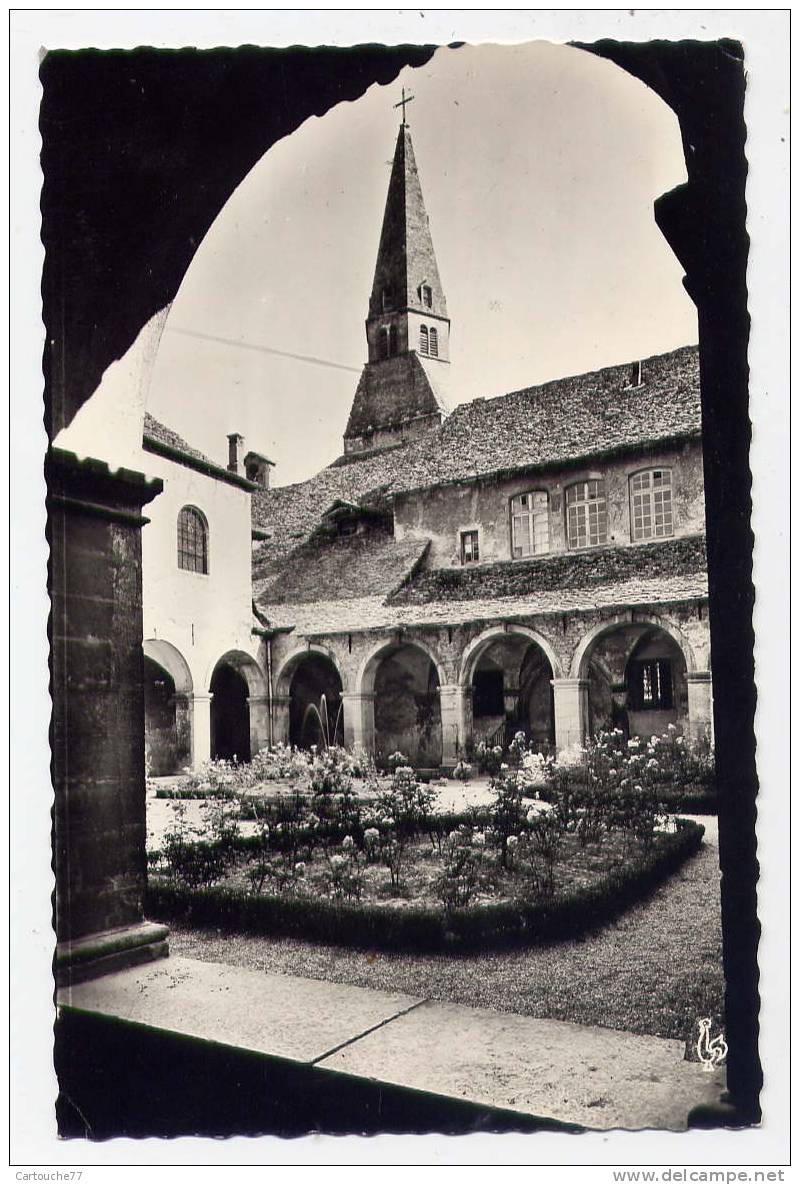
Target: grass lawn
[(656, 970)]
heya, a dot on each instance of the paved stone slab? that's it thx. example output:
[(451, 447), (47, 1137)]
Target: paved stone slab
[(280, 1015), (597, 1078)]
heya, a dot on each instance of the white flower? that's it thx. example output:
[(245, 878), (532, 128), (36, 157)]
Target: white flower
[(633, 744), (512, 841), (348, 842), (479, 838), (652, 763), (531, 815), (504, 766), (300, 867), (371, 836), (612, 773), (671, 728), (337, 862)]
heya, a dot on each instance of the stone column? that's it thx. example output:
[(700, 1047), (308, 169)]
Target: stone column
[(359, 720), (456, 702), (280, 719), (200, 707), (259, 722), (700, 706), (571, 706), (99, 832)]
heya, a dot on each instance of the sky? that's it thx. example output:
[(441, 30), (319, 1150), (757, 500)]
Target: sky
[(539, 166)]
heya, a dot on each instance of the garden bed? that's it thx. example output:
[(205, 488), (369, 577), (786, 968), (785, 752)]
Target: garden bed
[(592, 884)]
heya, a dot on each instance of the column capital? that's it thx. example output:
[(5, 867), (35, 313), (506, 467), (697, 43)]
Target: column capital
[(453, 689), (698, 676), (258, 699), (201, 697), (569, 684), (354, 697)]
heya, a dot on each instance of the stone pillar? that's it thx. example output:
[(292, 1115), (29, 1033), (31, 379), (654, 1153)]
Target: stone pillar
[(456, 702), (200, 706), (280, 719), (258, 706), (99, 832), (700, 706), (571, 706), (359, 720)]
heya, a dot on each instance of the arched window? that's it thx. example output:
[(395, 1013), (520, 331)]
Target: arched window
[(651, 504), (587, 519), (434, 343), (383, 343), (192, 540), (426, 295), (423, 339), (392, 340), (387, 299), (530, 524)]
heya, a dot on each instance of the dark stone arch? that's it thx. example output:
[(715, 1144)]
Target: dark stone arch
[(315, 693)]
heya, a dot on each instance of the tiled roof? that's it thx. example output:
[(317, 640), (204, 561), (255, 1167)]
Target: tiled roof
[(155, 430), (351, 566), (372, 613), (561, 421), (565, 570), (157, 438), (646, 575), (549, 425), (293, 512)]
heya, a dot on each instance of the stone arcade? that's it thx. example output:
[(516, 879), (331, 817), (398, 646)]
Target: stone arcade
[(533, 562)]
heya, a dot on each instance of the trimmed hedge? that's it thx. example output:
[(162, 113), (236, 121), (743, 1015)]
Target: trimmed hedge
[(693, 800), (426, 927)]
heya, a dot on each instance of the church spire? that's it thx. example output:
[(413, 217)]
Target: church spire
[(400, 393)]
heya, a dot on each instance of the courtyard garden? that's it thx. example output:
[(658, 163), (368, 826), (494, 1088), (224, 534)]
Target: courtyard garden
[(322, 846)]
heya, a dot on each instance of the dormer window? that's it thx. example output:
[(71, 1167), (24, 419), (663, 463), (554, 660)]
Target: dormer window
[(423, 339), (387, 299), (384, 342), (426, 295), (433, 339)]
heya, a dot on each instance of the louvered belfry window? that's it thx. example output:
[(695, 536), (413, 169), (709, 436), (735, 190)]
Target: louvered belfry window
[(530, 526), (434, 343), (192, 541), (423, 339), (651, 504), (587, 518)]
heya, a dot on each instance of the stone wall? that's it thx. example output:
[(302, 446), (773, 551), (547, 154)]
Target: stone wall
[(580, 649), (444, 513)]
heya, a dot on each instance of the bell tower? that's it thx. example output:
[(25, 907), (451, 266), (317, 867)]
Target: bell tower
[(401, 394)]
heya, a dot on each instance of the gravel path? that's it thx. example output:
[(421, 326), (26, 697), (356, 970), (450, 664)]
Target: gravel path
[(655, 971)]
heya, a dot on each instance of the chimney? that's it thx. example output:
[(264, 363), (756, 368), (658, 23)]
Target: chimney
[(235, 446), (257, 467)]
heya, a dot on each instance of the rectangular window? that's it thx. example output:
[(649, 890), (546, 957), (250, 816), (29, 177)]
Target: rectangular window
[(427, 296), (530, 524), (651, 504), (469, 547), (587, 519), (650, 685)]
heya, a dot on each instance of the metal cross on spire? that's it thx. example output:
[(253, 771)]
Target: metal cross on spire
[(405, 99)]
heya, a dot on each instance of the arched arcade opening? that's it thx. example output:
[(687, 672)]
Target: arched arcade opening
[(637, 681), (237, 707), (510, 678), (315, 703), (404, 679), (167, 709)]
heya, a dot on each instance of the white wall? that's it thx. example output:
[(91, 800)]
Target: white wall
[(202, 616)]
